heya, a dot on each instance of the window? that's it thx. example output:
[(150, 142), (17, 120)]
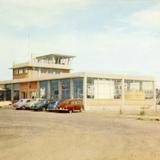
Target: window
[(43, 89), (118, 89), (57, 72), (16, 71), (90, 87), (43, 70), (50, 71), (148, 90), (132, 85), (78, 87), (54, 89), (65, 84), (20, 71), (100, 88), (25, 70)]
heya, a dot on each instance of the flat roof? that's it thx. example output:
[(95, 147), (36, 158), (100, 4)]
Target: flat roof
[(49, 56), (80, 74)]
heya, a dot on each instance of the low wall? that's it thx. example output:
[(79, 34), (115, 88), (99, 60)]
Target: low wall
[(130, 106), (5, 103)]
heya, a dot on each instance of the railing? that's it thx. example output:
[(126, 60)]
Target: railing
[(42, 64)]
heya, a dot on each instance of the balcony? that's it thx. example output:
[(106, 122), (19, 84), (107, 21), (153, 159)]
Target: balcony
[(45, 64)]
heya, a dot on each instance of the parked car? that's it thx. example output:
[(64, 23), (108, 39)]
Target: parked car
[(41, 105), (21, 103), (52, 106), (32, 103), (71, 105)]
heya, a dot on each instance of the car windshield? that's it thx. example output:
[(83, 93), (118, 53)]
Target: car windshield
[(53, 102)]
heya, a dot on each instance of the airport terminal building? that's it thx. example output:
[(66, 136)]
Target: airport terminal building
[(49, 77)]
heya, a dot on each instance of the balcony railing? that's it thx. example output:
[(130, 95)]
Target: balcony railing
[(42, 64)]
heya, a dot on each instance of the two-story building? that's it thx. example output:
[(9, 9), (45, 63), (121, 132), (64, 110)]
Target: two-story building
[(49, 77)]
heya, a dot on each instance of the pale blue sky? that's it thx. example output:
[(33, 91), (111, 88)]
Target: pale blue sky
[(110, 36)]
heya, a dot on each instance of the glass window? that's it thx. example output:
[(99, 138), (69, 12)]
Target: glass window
[(16, 91), (43, 89), (78, 87), (148, 90), (100, 88), (20, 71), (25, 70), (104, 89), (54, 89), (65, 84), (138, 89), (57, 71), (50, 71), (43, 70), (16, 71), (90, 87), (132, 85), (8, 91), (118, 89)]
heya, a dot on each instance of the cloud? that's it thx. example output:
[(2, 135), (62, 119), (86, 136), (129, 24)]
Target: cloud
[(37, 13), (147, 19)]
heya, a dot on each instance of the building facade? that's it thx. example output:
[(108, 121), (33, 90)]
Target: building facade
[(97, 90)]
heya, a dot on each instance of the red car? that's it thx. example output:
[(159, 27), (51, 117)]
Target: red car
[(71, 105)]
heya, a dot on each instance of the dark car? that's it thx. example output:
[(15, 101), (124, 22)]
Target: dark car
[(71, 105), (52, 106), (41, 105)]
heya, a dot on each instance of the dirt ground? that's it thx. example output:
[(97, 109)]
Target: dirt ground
[(27, 135)]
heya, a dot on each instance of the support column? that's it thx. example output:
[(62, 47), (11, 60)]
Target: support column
[(28, 89), (5, 95), (84, 91), (12, 92), (154, 96), (38, 89), (123, 98), (49, 90), (59, 90), (71, 89)]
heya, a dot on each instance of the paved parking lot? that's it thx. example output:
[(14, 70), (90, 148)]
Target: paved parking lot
[(28, 135)]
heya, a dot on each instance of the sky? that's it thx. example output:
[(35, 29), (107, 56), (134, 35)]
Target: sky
[(107, 36)]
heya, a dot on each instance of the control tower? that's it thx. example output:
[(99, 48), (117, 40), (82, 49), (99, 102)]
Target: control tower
[(45, 65)]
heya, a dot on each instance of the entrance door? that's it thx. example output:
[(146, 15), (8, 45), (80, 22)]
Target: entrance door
[(23, 95)]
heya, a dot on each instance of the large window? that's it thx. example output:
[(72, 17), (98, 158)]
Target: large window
[(54, 89), (99, 88), (78, 87), (8, 91), (90, 87), (43, 89), (65, 84), (118, 89), (148, 90), (139, 89), (132, 85), (16, 91)]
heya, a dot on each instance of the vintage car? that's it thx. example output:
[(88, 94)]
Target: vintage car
[(41, 105), (32, 103), (52, 106), (71, 105), (21, 103)]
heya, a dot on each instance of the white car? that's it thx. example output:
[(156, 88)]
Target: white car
[(21, 103)]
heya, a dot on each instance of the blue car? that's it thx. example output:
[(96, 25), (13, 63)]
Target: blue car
[(53, 105)]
